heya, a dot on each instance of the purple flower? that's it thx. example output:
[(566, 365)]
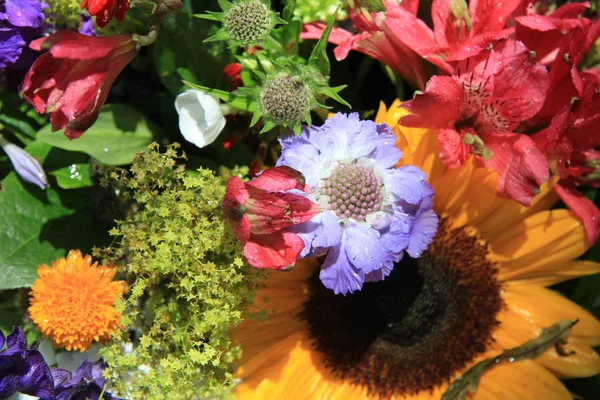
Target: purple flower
[(86, 25), (26, 166), (86, 383), (373, 212), (23, 369), (19, 23)]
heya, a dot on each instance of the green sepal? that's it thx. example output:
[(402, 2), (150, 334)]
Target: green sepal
[(221, 35), (268, 125), (241, 102), (308, 119), (225, 5), (372, 5), (467, 383), (255, 117), (297, 129), (288, 10), (318, 58), (332, 92), (211, 16)]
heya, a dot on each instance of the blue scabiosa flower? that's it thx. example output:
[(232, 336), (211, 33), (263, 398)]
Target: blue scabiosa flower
[(372, 212)]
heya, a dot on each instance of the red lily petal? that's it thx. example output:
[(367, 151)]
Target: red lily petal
[(491, 15), (521, 167), (453, 151), (553, 142), (475, 45), (279, 179), (276, 251), (437, 107), (582, 207)]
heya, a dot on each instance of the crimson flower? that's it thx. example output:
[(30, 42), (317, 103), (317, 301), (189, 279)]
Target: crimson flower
[(72, 80), (569, 144), (477, 111), (104, 10), (377, 40), (259, 211)]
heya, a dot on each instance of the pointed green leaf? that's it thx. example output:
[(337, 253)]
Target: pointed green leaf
[(268, 126), (288, 10), (318, 57), (467, 383), (255, 118), (221, 35), (332, 92), (372, 5), (239, 101), (211, 16)]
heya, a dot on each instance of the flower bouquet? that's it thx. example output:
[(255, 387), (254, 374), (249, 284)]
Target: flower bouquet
[(368, 199)]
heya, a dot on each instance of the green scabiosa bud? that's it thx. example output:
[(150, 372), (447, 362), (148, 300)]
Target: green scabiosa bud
[(246, 23), (285, 100)]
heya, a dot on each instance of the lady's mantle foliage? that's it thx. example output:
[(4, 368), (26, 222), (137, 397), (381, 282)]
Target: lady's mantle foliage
[(188, 281)]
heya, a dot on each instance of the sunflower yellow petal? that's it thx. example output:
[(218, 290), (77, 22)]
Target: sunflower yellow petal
[(548, 274), (548, 237), (523, 380), (543, 307)]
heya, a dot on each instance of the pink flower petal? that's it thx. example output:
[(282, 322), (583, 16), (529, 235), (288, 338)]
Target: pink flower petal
[(582, 207), (276, 251)]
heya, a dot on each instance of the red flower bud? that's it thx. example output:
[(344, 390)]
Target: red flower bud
[(261, 209), (232, 69), (72, 80)]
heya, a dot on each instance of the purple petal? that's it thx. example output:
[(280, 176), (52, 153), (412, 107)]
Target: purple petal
[(329, 233), (2, 340), (16, 339), (23, 13), (11, 46), (364, 248), (303, 157), (338, 274), (387, 154), (28, 168), (422, 234), (397, 237), (86, 26), (352, 137), (406, 184), (381, 273)]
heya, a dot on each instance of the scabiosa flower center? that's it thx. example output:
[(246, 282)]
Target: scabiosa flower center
[(285, 99), (417, 328), (352, 191), (249, 22)]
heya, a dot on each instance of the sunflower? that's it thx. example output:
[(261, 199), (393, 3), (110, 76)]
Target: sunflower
[(480, 288)]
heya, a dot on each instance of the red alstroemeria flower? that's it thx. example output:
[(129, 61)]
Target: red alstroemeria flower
[(477, 111), (569, 143), (104, 10), (72, 80), (376, 40), (545, 34), (259, 211), (400, 39)]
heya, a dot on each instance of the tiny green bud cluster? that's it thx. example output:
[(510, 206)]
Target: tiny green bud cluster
[(353, 191), (249, 22), (285, 99)]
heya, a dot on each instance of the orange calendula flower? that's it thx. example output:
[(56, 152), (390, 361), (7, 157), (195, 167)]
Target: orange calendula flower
[(73, 301)]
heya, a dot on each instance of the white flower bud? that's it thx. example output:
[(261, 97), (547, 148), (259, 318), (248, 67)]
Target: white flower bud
[(201, 119)]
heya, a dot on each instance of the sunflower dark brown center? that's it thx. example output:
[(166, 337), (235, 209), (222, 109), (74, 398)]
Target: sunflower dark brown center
[(417, 328)]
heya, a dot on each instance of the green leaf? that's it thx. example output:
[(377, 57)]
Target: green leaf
[(240, 101), (119, 133), (23, 212), (467, 383), (73, 177), (318, 57), (179, 46), (373, 5)]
